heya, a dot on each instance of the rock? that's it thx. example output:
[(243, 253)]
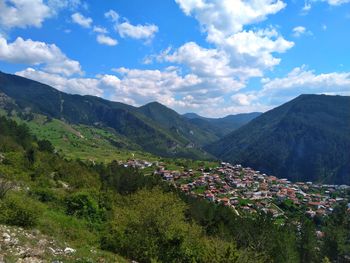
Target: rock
[(69, 250), (35, 232), (6, 238), (42, 243), (53, 251), (2, 158)]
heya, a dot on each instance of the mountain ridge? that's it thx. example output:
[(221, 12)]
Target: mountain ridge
[(296, 140)]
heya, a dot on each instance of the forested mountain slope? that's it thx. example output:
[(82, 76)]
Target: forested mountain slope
[(305, 139), (28, 96)]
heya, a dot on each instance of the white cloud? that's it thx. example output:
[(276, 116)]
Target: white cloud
[(83, 86), (306, 8), (112, 15), (229, 16), (82, 20), (243, 99), (298, 31), (38, 53), (243, 53), (308, 4), (301, 80), (101, 30), (57, 5), (126, 29), (209, 63), (255, 49), (337, 2), (106, 40), (23, 13)]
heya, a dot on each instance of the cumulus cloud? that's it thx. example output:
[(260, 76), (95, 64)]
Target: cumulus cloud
[(228, 17), (22, 14), (102, 37), (211, 66), (298, 31), (245, 53), (82, 20), (83, 86), (255, 49), (303, 81), (106, 40), (243, 99), (38, 53), (126, 29)]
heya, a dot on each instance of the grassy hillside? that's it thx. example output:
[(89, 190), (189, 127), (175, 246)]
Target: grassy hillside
[(86, 142), (305, 139)]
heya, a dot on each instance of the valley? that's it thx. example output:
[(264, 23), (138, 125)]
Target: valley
[(111, 171)]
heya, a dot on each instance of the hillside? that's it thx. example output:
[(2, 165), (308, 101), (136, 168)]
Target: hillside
[(26, 97), (70, 211), (177, 124), (305, 139)]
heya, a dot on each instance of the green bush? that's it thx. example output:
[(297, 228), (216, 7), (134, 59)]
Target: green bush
[(44, 194), (83, 205), (19, 211)]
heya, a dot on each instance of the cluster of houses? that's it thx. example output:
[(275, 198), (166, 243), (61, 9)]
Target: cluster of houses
[(247, 190), (139, 164)]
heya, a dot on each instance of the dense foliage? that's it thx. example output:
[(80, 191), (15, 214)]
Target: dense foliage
[(306, 139)]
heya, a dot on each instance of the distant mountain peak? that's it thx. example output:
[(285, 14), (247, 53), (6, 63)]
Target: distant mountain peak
[(192, 115)]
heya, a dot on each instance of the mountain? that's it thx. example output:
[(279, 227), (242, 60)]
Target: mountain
[(28, 96), (177, 124), (192, 115), (306, 139), (221, 126)]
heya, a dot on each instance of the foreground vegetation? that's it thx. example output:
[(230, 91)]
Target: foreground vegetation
[(123, 212)]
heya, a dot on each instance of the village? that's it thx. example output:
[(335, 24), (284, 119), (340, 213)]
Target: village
[(248, 191)]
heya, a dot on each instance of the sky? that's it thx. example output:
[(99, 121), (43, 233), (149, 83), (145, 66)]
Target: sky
[(212, 57)]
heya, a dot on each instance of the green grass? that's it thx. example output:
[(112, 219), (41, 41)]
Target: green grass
[(85, 142)]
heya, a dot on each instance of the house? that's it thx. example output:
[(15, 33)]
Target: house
[(210, 197)]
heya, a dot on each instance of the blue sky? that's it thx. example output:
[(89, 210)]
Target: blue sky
[(213, 57)]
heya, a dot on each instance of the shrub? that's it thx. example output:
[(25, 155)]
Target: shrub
[(45, 146), (44, 194), (81, 204), (19, 211)]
